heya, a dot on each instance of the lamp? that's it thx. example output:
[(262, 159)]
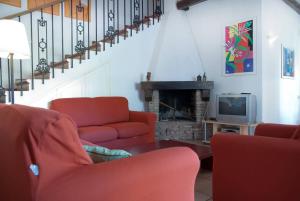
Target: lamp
[(13, 44)]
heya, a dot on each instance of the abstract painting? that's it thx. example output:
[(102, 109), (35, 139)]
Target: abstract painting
[(239, 48), (288, 63)]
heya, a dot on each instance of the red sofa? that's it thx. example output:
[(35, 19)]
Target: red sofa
[(264, 167), (107, 121), (42, 160)]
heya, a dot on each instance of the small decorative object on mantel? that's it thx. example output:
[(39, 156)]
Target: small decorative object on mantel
[(2, 95), (204, 77), (199, 78), (148, 76)]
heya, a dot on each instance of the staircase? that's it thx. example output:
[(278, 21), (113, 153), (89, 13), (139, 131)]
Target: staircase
[(60, 42)]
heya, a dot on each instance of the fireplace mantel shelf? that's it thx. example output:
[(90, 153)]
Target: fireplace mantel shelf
[(177, 85), (150, 86)]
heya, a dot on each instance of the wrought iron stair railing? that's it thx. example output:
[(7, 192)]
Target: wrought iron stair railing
[(58, 39)]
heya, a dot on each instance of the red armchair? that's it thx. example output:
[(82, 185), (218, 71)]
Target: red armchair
[(260, 168), (107, 121), (42, 159)]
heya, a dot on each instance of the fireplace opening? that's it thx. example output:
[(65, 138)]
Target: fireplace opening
[(176, 105)]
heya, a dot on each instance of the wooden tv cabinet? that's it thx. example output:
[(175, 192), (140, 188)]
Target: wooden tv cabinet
[(243, 129)]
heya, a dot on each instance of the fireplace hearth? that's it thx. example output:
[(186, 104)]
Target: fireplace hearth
[(180, 107)]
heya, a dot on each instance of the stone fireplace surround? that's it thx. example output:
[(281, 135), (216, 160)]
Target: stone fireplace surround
[(178, 129)]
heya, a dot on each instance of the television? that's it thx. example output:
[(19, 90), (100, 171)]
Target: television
[(236, 108)]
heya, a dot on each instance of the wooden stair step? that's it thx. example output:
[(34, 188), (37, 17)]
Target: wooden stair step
[(123, 32), (38, 75), (61, 64), (133, 27), (146, 20), (108, 40), (17, 89), (76, 56), (21, 85), (156, 16), (95, 47)]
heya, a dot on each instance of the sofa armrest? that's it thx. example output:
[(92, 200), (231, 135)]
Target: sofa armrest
[(148, 118), (163, 175), (275, 130), (255, 168)]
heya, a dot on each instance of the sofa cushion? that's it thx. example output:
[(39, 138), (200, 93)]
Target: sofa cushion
[(101, 154), (130, 129), (96, 134), (112, 109), (93, 111)]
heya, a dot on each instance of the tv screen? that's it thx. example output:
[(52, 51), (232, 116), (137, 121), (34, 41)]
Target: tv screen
[(233, 106)]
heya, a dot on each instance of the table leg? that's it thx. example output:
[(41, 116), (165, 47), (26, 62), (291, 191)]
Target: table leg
[(215, 128), (205, 132), (244, 130)]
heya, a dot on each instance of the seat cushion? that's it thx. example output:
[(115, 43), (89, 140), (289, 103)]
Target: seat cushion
[(130, 129), (96, 134)]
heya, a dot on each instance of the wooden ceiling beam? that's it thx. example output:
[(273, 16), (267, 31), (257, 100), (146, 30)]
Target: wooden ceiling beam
[(185, 4), (294, 4)]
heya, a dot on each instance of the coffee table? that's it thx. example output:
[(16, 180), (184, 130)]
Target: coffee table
[(203, 151)]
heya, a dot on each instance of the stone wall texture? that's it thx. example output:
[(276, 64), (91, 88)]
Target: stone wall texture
[(180, 130)]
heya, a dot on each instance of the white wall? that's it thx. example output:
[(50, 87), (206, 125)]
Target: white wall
[(129, 61), (88, 80), (175, 56), (6, 10), (9, 10), (115, 72), (186, 44), (281, 25), (193, 43)]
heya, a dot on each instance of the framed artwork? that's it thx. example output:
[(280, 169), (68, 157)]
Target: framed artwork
[(16, 3), (239, 48), (287, 62)]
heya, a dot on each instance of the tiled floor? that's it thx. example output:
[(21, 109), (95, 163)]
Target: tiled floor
[(203, 188)]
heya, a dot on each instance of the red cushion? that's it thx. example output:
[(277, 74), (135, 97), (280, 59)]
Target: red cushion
[(93, 111), (96, 134), (296, 134), (84, 142), (130, 129)]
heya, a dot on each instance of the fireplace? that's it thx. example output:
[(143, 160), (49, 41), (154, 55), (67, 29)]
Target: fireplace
[(177, 105), (180, 107)]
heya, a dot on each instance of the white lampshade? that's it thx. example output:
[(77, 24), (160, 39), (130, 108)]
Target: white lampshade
[(13, 39)]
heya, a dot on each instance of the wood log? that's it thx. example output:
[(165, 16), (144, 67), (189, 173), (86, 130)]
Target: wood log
[(185, 4)]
